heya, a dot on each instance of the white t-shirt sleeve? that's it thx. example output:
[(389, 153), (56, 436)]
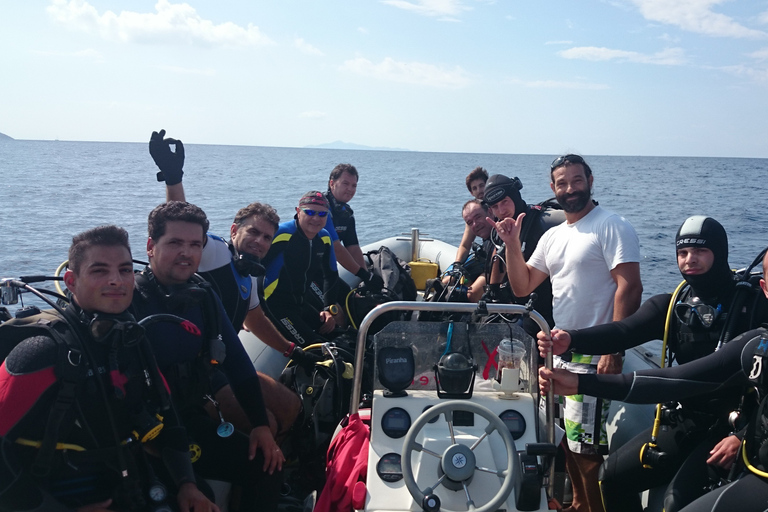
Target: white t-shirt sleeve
[(620, 242), (538, 259)]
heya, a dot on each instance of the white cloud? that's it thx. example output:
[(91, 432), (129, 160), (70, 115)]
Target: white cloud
[(696, 16), (171, 23), (434, 8), (761, 54), (763, 17), (759, 75), (362, 30), (313, 114), (667, 57), (408, 72), (305, 47), (554, 84)]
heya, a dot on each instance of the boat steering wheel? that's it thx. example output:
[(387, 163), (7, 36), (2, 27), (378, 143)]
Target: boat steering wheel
[(458, 461)]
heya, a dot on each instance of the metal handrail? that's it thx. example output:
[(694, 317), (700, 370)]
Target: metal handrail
[(457, 307)]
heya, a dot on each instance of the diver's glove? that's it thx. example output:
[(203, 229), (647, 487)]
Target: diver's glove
[(306, 360), (373, 282), (169, 162)]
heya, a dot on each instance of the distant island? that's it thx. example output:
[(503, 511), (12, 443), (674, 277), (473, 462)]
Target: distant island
[(5, 137), (348, 145)]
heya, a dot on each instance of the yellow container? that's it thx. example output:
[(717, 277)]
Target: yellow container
[(421, 271)]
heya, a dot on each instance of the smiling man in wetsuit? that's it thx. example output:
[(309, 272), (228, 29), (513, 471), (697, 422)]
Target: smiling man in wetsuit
[(340, 224), (194, 365), (301, 249), (475, 182), (232, 267), (92, 460)]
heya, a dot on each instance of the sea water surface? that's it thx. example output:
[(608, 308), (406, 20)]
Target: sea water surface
[(51, 190)]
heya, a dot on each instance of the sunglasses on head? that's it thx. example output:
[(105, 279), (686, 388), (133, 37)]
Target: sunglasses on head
[(704, 312), (562, 160), (312, 213)]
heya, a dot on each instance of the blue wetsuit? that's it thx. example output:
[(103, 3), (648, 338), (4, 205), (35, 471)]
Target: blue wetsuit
[(294, 299)]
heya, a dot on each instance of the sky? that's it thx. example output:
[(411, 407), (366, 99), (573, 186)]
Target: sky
[(613, 77)]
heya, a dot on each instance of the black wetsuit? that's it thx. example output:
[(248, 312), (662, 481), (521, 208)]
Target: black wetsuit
[(538, 219), (739, 364), (183, 359), (701, 422), (341, 222), (101, 416)]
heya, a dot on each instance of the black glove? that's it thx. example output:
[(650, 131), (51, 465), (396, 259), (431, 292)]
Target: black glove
[(372, 282), (306, 360), (169, 162)]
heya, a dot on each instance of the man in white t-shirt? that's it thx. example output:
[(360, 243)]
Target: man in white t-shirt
[(593, 262)]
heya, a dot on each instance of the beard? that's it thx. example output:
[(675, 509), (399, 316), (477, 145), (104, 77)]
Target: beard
[(575, 202)]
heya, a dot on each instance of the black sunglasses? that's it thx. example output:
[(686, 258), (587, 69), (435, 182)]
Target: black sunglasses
[(562, 160)]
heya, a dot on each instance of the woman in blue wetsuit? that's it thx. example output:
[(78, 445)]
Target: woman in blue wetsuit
[(741, 362), (301, 249)]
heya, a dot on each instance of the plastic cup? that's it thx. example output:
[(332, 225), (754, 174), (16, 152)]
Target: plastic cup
[(510, 355)]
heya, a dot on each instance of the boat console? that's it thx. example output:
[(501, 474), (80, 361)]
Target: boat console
[(444, 434)]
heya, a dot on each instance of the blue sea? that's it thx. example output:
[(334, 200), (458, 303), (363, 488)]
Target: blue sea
[(52, 190)]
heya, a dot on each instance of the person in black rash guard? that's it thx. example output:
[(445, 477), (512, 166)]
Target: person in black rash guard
[(193, 365), (300, 250), (699, 433), (340, 223), (739, 364), (502, 195), (97, 462)]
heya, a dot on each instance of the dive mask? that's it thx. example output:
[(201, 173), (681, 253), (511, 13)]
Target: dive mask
[(687, 311), (104, 326)]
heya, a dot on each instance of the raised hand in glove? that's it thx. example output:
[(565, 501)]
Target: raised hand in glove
[(372, 282), (306, 360), (169, 162)]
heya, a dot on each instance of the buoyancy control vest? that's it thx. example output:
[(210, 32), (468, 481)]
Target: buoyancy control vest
[(190, 381), (135, 403), (735, 311), (755, 446)]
